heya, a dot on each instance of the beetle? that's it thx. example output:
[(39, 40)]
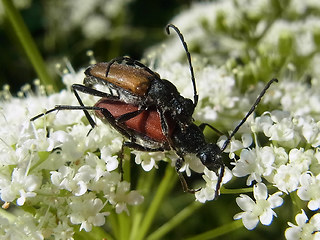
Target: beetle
[(188, 141), (144, 133), (143, 97), (136, 84)]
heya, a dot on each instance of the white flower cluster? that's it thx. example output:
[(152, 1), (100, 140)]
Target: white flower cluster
[(53, 163), (54, 167), (290, 163), (258, 40), (95, 19)]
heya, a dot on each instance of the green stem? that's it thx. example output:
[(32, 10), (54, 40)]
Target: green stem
[(243, 190), (164, 188), (144, 186), (95, 233), (124, 226), (27, 43), (176, 220), (218, 231), (6, 214), (236, 191)]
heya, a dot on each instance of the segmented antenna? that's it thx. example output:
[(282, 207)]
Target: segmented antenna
[(195, 95), (253, 107)]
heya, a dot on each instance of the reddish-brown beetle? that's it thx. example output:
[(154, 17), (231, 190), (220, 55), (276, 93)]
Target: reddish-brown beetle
[(188, 141), (136, 84), (150, 111), (147, 123)]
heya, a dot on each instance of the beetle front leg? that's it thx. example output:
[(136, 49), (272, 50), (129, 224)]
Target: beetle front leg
[(185, 187), (86, 113), (91, 91)]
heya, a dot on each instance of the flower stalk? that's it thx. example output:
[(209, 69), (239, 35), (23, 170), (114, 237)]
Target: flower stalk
[(28, 44)]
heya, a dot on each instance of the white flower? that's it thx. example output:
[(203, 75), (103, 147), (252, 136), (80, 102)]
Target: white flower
[(21, 186), (191, 162), (301, 159), (96, 27), (235, 145), (255, 163), (97, 164), (309, 190), (311, 131), (261, 209), (111, 161), (148, 159), (107, 184), (86, 211), (208, 192), (283, 131), (63, 231), (262, 123), (302, 6), (64, 178), (305, 228), (287, 177), (123, 196), (24, 226)]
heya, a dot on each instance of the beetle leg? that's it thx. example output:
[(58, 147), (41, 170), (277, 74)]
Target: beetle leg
[(121, 156), (93, 92), (203, 125), (91, 121), (127, 116), (165, 128), (141, 148), (219, 181), (65, 107), (88, 90), (185, 187)]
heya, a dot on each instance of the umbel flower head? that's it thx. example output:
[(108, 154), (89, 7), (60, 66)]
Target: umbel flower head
[(284, 153), (63, 181), (54, 163)]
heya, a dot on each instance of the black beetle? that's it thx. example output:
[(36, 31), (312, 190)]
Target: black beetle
[(142, 94), (144, 134), (136, 84)]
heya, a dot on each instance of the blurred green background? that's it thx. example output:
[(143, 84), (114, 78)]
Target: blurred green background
[(68, 29), (65, 29)]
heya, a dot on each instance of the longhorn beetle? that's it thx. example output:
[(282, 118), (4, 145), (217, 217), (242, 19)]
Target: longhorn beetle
[(150, 111), (138, 85)]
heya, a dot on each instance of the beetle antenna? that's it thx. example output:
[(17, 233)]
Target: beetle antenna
[(253, 107), (195, 95)]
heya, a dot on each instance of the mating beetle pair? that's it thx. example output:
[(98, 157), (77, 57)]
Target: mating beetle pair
[(150, 112)]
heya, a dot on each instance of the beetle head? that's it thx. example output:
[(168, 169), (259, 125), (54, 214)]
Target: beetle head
[(210, 156)]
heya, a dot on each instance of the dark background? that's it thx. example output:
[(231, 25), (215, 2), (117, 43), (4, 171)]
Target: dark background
[(146, 18)]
